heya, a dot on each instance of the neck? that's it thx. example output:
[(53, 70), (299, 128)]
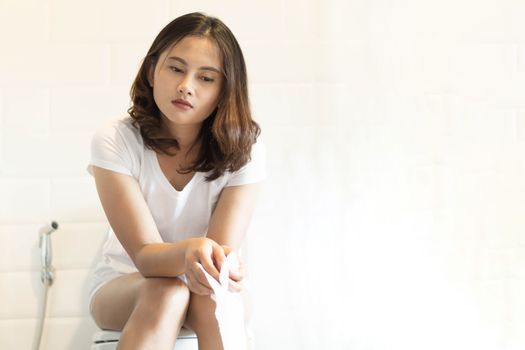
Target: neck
[(186, 135)]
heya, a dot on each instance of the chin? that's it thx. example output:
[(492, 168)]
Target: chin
[(183, 122)]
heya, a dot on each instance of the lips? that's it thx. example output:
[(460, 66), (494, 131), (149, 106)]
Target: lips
[(180, 101)]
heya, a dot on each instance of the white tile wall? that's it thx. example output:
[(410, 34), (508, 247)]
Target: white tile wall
[(283, 61), (300, 19), (259, 20), (125, 63), (65, 203), (84, 108), (34, 102), (23, 200), (24, 21), (55, 64), (343, 20), (395, 133)]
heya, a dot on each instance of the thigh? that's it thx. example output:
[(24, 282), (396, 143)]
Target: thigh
[(114, 302)]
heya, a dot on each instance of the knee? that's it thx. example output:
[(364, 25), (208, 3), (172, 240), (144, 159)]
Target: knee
[(164, 293)]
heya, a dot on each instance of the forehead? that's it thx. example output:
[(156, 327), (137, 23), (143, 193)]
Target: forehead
[(197, 51)]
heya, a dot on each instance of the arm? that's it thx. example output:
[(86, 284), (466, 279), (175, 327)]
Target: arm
[(232, 215), (131, 220), (228, 225), (129, 216)]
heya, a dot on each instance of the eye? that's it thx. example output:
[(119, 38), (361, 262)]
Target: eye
[(175, 69), (206, 79)]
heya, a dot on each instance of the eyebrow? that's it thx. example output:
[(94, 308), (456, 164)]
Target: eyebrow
[(185, 63)]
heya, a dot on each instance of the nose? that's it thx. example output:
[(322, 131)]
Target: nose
[(184, 87)]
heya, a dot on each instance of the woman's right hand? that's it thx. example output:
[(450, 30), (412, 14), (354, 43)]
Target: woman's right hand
[(210, 255)]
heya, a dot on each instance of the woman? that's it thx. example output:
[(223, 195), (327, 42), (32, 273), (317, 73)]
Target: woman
[(178, 180)]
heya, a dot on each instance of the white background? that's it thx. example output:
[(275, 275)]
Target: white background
[(392, 217)]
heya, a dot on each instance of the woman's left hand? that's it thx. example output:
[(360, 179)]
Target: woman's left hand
[(236, 275)]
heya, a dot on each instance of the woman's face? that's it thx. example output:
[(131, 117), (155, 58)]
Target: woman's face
[(187, 81)]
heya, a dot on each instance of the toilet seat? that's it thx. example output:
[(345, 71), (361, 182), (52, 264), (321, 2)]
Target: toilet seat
[(107, 340)]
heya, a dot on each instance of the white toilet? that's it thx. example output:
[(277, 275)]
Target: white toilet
[(107, 340)]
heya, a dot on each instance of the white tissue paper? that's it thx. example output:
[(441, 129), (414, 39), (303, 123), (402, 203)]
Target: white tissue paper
[(229, 309)]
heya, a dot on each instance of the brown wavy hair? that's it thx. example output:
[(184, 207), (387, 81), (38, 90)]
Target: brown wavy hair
[(227, 135)]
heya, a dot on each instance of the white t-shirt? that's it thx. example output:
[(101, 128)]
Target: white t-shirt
[(118, 146)]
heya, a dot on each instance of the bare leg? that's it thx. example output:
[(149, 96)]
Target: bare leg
[(149, 311), (201, 319)]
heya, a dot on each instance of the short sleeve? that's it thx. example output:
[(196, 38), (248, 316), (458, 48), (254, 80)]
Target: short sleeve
[(109, 150), (254, 171)]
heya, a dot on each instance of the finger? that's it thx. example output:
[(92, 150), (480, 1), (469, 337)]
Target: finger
[(200, 277), (196, 287), (219, 255), (234, 286), (207, 262), (237, 273), (227, 249)]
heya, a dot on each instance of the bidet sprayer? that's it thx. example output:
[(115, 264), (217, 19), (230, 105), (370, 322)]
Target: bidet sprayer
[(47, 252), (50, 228)]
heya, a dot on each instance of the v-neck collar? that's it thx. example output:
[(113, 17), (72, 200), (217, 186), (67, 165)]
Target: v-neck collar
[(159, 174)]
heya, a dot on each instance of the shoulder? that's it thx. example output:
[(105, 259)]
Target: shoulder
[(254, 170), (117, 145), (120, 129), (257, 156), (119, 135), (258, 149)]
